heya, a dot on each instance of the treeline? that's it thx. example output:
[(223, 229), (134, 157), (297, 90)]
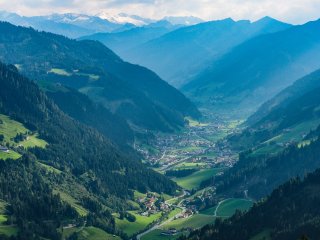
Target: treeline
[(291, 212)]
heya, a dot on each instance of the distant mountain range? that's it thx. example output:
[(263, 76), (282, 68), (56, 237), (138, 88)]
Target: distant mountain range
[(257, 69), (77, 25), (179, 55)]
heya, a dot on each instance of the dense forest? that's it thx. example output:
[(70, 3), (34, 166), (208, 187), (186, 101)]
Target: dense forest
[(78, 151)]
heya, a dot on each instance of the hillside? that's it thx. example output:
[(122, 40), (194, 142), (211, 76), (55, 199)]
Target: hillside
[(132, 92), (290, 212), (260, 68), (81, 108), (180, 54), (286, 96), (286, 118), (77, 164)]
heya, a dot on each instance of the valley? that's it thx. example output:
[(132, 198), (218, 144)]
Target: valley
[(150, 127), (190, 157)]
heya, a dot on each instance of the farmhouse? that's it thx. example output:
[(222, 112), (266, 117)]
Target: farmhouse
[(4, 149)]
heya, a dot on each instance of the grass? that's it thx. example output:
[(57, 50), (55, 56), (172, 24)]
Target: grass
[(156, 235), (73, 202), (195, 221), (9, 128), (10, 155), (49, 168), (194, 180), (131, 228), (34, 141), (187, 165), (8, 231), (93, 233), (138, 195), (174, 212), (209, 211), (229, 206)]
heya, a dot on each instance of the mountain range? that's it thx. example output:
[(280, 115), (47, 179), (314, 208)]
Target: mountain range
[(259, 68), (75, 25), (132, 92), (180, 54)]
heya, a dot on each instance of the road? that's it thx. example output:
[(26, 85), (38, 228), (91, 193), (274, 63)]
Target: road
[(216, 210)]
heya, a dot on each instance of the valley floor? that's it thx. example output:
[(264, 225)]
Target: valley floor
[(201, 150)]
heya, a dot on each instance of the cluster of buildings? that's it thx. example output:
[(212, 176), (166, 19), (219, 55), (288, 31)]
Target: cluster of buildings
[(151, 204), (4, 149)]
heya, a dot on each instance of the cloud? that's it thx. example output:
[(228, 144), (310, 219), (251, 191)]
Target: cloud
[(294, 11)]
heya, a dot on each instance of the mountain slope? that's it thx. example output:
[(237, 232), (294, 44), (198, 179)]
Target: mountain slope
[(132, 92), (286, 96), (290, 212), (81, 108), (121, 42), (260, 67), (178, 55), (76, 157), (286, 118)]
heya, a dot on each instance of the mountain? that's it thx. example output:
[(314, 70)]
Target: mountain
[(83, 109), (256, 70), (286, 96), (71, 25), (68, 174), (180, 54), (187, 20), (124, 41), (123, 18), (284, 119), (290, 212), (135, 93)]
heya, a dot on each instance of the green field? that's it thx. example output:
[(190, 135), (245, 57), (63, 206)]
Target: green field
[(194, 180), (33, 141), (209, 211), (131, 228), (195, 221), (9, 129), (10, 155), (156, 235), (73, 202), (189, 165), (92, 233), (7, 230), (228, 207)]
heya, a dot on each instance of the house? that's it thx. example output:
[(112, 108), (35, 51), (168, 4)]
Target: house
[(4, 149)]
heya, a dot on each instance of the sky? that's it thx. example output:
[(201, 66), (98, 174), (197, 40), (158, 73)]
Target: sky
[(292, 11)]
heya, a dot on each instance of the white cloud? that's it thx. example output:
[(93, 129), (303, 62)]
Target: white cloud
[(294, 11)]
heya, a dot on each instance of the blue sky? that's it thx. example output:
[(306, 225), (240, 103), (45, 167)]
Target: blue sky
[(293, 11)]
